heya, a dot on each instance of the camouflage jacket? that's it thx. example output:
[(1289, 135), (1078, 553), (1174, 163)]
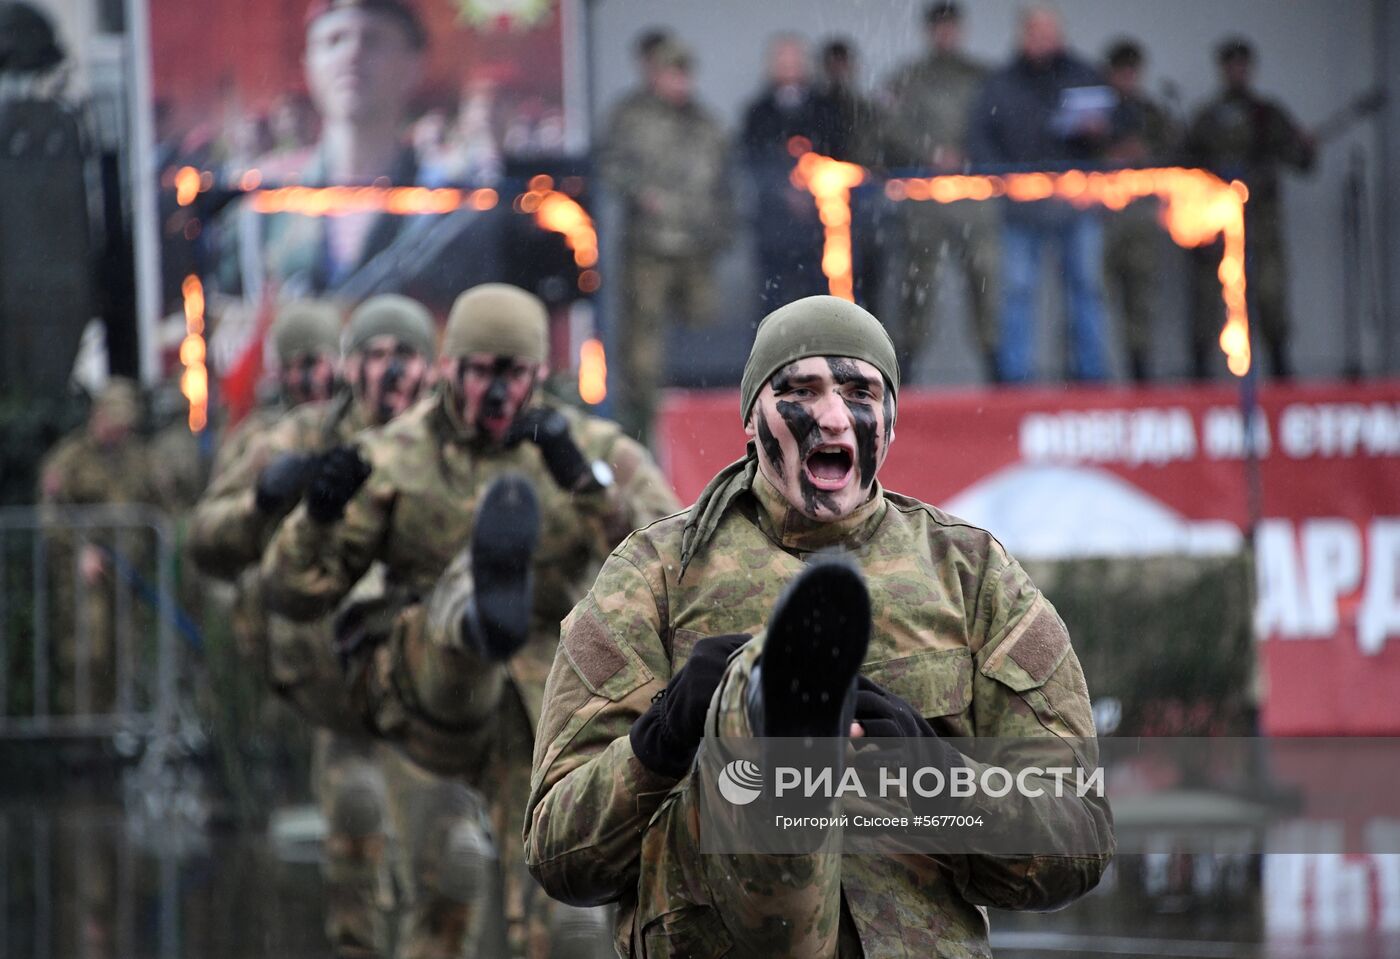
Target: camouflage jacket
[(1244, 136), (228, 532), (80, 472), (668, 165), (928, 105), (416, 510), (960, 632)]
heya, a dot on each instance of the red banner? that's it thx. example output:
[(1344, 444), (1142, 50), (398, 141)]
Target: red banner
[(1079, 472)]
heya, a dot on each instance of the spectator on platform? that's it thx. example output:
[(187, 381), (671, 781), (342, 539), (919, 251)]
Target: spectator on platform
[(1142, 135), (930, 100), (665, 158), (790, 115), (1046, 109), (1242, 135), (863, 127)]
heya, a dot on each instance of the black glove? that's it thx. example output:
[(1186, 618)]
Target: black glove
[(339, 473), (549, 430), (282, 481), (666, 736), (883, 715)]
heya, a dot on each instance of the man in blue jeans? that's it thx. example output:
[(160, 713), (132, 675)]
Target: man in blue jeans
[(1046, 110)]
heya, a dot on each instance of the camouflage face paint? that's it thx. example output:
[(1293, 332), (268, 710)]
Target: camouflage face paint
[(395, 386), (501, 398)]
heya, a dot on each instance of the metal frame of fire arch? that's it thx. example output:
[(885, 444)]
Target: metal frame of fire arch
[(1197, 207), (554, 209)]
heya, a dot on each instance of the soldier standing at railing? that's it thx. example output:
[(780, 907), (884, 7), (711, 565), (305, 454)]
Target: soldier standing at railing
[(105, 462)]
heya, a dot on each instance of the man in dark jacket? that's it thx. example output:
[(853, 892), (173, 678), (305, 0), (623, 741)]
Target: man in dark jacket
[(1046, 109), (787, 231)]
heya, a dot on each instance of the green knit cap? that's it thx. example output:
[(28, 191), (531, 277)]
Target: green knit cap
[(498, 319), (390, 314), (306, 326), (815, 326)]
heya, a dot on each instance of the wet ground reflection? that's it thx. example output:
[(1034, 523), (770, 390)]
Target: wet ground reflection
[(83, 877)]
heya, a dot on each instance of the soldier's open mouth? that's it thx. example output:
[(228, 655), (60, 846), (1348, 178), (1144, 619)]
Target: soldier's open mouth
[(829, 467)]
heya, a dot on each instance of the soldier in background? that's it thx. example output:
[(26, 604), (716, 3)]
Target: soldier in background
[(103, 463), (409, 496), (864, 123), (790, 113), (929, 103), (388, 347), (1142, 135), (1242, 135), (668, 645), (665, 157)]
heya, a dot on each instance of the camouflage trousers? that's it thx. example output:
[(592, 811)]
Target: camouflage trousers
[(352, 794), (965, 236), (465, 718), (702, 905), (1133, 242), (369, 793), (655, 289)]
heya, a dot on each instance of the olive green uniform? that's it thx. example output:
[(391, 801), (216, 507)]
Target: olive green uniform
[(1243, 136), (1134, 239), (929, 102), (676, 158), (83, 617)]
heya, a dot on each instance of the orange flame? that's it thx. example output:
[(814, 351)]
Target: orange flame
[(194, 382), (1197, 207), (592, 372), (561, 213), (186, 185), (554, 211), (830, 182), (340, 200)]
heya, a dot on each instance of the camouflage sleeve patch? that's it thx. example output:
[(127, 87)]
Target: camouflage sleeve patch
[(591, 648), (1035, 646)]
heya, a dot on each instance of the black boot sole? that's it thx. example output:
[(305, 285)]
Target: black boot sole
[(503, 548), (816, 640)]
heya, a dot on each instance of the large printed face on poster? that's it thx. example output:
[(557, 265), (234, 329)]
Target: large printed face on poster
[(466, 82), (267, 94)]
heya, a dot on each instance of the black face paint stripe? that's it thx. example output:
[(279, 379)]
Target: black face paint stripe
[(863, 417), (804, 429), (771, 447), (887, 404), (781, 381), (844, 371)]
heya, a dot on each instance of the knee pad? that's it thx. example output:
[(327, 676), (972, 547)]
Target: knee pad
[(357, 804), (467, 864)]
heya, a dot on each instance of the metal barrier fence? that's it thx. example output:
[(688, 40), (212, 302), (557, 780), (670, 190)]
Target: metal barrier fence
[(47, 611)]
